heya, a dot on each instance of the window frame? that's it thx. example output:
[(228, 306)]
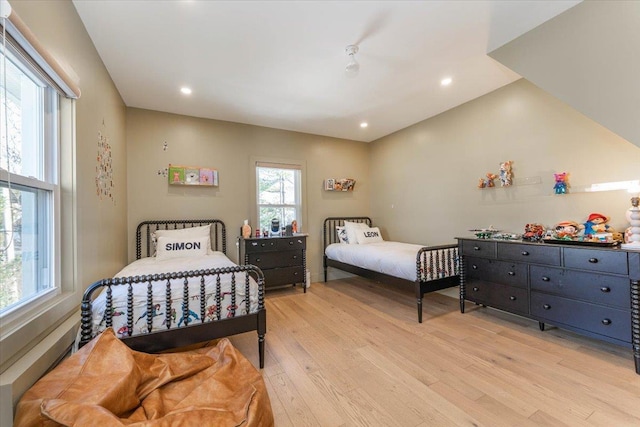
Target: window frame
[(48, 112), (283, 163), (28, 328)]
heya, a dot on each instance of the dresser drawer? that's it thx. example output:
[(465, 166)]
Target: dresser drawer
[(610, 322), (589, 287), (509, 298), (607, 261), (257, 245), (266, 260), (507, 273), (283, 276), (291, 243), (481, 248), (535, 254)]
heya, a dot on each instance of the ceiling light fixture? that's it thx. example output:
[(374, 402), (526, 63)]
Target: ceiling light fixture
[(185, 90), (352, 67), (446, 81), (364, 124)]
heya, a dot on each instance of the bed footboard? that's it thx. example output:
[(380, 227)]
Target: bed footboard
[(437, 268), (214, 317)]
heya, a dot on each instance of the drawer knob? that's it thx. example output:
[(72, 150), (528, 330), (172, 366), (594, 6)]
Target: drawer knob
[(524, 253), (546, 306), (295, 273), (475, 267), (512, 273), (291, 242), (605, 289), (512, 298), (263, 245), (476, 248), (258, 260), (593, 260), (476, 289), (606, 322), (295, 257), (545, 279)]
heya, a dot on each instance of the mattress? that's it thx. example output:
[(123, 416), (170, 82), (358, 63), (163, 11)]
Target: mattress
[(177, 317), (392, 258)]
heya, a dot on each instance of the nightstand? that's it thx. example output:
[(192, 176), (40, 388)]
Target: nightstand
[(283, 260)]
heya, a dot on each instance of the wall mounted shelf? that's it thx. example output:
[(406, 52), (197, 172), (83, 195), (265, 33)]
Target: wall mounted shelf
[(193, 176)]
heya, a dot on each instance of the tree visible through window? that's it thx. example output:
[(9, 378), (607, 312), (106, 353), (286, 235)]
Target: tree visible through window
[(278, 195)]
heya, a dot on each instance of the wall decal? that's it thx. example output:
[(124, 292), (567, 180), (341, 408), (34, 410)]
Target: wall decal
[(104, 168)]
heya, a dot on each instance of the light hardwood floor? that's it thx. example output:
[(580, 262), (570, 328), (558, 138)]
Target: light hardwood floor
[(351, 353)]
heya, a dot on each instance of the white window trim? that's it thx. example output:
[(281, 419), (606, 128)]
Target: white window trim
[(19, 329), (277, 162)]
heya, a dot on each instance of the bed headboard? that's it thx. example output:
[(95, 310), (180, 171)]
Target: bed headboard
[(146, 228), (329, 229)]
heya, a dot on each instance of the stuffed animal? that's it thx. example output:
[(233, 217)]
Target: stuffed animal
[(488, 181), (596, 223), (561, 182), (505, 174), (566, 230), (534, 232)]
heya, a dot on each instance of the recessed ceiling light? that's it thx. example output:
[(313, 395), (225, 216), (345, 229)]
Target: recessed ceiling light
[(446, 81), (185, 90), (364, 124)]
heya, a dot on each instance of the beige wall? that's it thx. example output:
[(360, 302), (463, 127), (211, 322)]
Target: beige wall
[(230, 147), (424, 179), (94, 231)]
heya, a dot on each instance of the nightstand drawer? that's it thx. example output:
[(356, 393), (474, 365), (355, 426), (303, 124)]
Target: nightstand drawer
[(610, 322), (507, 273), (275, 259), (291, 243), (480, 248), (283, 276), (607, 261), (589, 287), (259, 245), (535, 254)]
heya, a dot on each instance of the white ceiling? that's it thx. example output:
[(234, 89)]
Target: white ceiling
[(281, 64)]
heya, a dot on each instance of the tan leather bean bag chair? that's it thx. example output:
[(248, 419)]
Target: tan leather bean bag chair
[(107, 384)]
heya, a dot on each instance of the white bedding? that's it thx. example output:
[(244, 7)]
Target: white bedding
[(394, 259), (146, 266)]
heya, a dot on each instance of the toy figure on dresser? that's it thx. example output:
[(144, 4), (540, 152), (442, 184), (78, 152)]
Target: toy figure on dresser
[(566, 230), (488, 181), (534, 232), (596, 223), (561, 183), (506, 176), (484, 233), (596, 229)]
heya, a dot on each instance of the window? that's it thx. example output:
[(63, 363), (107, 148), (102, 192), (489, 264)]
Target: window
[(279, 195), (29, 190)]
